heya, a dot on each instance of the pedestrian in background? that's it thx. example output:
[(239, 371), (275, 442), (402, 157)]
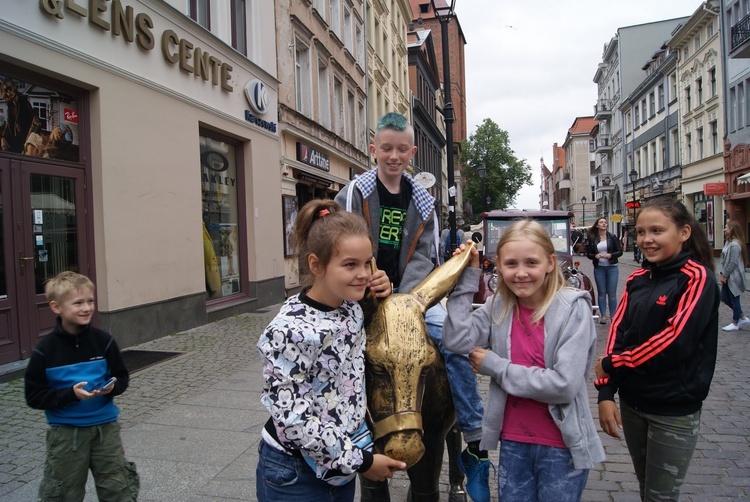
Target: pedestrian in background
[(73, 375), (313, 352), (536, 340), (734, 259), (603, 250), (661, 350)]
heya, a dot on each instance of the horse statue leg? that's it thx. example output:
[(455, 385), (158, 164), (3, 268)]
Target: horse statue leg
[(373, 491), (457, 492)]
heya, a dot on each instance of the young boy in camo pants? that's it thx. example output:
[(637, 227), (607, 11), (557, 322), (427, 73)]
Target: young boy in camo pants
[(65, 378)]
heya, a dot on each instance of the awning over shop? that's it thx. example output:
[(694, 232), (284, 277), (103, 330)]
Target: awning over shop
[(745, 178)]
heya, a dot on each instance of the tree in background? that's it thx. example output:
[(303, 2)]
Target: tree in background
[(505, 174)]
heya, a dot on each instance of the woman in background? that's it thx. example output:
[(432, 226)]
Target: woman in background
[(604, 249)]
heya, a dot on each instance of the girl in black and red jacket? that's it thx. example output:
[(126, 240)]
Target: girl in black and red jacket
[(661, 350)]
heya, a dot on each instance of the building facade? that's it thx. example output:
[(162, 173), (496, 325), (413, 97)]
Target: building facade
[(322, 109), (124, 124), (735, 37), (699, 89), (651, 129), (617, 76), (429, 127), (579, 157)]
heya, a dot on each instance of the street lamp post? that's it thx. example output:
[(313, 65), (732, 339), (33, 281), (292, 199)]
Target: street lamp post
[(444, 12), (633, 175), (583, 213), (482, 172)]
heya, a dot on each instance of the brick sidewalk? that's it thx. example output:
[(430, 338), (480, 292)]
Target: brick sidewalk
[(192, 423)]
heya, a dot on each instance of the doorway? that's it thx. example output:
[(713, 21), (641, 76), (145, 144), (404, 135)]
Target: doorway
[(42, 233)]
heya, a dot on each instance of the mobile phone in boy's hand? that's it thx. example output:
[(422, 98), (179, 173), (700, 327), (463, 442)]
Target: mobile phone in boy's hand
[(103, 385)]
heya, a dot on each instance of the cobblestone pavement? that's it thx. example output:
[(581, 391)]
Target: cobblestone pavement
[(192, 424)]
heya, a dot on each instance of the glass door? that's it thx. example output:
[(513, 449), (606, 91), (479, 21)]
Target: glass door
[(43, 234)]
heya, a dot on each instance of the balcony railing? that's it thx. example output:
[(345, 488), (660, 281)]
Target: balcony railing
[(603, 142), (741, 32), (602, 107)]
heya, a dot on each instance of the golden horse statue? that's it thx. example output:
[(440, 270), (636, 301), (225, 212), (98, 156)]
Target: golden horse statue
[(408, 398)]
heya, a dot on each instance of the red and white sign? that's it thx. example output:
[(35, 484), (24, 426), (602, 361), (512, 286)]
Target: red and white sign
[(715, 188), (70, 115)]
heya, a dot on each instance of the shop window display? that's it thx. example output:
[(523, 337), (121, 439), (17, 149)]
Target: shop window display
[(220, 218)]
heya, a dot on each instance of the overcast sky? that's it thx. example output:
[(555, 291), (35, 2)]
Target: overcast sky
[(530, 65)]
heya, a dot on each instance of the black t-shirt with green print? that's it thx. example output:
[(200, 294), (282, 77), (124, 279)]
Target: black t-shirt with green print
[(393, 209)]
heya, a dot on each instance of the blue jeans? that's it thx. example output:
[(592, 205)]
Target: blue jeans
[(530, 472), (606, 288), (461, 379), (733, 302), (283, 477)]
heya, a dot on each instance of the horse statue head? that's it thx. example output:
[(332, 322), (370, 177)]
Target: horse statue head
[(399, 355)]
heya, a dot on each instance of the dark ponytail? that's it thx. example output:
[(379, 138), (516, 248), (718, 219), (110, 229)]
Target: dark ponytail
[(697, 244)]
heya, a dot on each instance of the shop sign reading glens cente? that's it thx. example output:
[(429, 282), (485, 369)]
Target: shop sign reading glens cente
[(122, 21)]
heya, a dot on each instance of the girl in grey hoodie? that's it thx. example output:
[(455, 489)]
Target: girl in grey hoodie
[(536, 340)]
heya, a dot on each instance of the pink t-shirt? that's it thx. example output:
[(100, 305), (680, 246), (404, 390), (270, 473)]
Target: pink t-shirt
[(527, 420)]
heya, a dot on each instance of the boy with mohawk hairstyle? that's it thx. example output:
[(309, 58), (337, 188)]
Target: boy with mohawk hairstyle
[(403, 224), (68, 377)]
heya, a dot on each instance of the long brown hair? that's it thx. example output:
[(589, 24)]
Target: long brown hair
[(594, 229), (320, 225), (737, 234), (697, 243), (529, 230)]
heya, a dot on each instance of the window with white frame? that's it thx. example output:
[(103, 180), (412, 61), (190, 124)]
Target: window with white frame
[(320, 7), (302, 77), (661, 96), (714, 137), (689, 147), (710, 29), (740, 105), (652, 103), (654, 157), (697, 42), (348, 29), (359, 40), (636, 117), (324, 95), (644, 112), (362, 134), (699, 90), (712, 73), (628, 123), (700, 152), (674, 147), (688, 99), (239, 26), (338, 106), (351, 133), (335, 18), (200, 12), (672, 87)]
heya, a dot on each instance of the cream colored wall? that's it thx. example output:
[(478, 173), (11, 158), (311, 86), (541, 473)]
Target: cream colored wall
[(144, 120)]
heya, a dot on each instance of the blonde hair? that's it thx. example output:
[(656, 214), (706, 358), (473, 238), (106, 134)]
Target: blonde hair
[(63, 283), (529, 230)]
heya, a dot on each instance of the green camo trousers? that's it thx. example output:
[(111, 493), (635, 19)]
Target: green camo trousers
[(72, 451), (661, 449)]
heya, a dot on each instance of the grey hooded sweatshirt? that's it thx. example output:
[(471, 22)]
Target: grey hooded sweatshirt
[(569, 349)]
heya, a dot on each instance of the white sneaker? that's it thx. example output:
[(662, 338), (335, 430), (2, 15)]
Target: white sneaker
[(743, 322), (731, 327)]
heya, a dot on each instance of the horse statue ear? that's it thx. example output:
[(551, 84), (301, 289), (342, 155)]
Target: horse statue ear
[(443, 279), (369, 304)]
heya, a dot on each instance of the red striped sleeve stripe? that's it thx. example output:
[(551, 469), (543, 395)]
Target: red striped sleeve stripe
[(697, 278)]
